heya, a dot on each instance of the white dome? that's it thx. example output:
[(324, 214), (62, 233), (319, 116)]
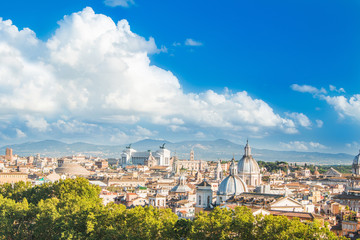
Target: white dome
[(247, 164), (232, 185), (181, 187)]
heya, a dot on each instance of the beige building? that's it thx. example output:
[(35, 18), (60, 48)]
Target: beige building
[(129, 183), (196, 165), (101, 164), (13, 177), (188, 165), (287, 204), (350, 227), (157, 200)]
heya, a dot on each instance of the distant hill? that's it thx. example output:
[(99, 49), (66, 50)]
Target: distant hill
[(206, 150)]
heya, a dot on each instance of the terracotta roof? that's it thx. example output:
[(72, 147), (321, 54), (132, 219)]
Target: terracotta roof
[(13, 173), (159, 168), (302, 215)]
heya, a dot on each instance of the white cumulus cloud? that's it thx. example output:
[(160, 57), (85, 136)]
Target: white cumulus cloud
[(39, 124), (300, 118), (345, 106), (98, 74)]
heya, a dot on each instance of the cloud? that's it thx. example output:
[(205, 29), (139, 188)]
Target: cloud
[(121, 3), (302, 146), (177, 128), (94, 76), (300, 118), (343, 105), (200, 135), (134, 135), (74, 126), (119, 137), (20, 134), (354, 145), (40, 124), (334, 89), (319, 123), (143, 132), (193, 43), (307, 89)]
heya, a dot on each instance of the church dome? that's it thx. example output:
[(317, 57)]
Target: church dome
[(247, 164), (357, 159), (232, 184), (72, 169), (181, 187)]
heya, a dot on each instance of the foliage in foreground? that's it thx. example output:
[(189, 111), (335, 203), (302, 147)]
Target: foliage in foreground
[(71, 209)]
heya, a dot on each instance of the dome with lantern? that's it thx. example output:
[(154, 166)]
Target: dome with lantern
[(248, 168), (230, 186), (356, 164)]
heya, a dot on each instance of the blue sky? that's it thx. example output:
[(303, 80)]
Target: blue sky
[(284, 74)]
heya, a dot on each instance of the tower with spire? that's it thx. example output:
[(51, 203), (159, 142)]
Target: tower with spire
[(218, 171), (247, 149), (233, 168), (192, 158)]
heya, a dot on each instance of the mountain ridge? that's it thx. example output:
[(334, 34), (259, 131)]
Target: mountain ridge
[(209, 150)]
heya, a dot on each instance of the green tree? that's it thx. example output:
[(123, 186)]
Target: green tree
[(182, 229), (243, 223), (213, 225), (15, 219), (72, 209)]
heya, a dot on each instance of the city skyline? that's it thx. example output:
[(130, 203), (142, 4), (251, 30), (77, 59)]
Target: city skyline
[(284, 75)]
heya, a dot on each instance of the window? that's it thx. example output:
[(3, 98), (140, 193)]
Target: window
[(208, 201), (199, 200)]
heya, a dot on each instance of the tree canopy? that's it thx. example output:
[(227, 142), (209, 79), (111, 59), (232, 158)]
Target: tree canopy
[(72, 209)]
